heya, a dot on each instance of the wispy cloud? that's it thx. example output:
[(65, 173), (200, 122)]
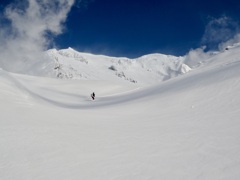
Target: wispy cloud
[(196, 56), (218, 31), (84, 4), (25, 33), (230, 42)]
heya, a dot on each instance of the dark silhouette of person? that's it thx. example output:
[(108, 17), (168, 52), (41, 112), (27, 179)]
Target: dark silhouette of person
[(93, 95)]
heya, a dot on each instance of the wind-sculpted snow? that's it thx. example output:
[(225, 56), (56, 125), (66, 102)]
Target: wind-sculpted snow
[(183, 128)]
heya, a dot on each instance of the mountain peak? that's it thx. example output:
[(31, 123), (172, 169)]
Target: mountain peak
[(148, 69)]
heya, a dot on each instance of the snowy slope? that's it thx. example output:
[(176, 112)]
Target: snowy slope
[(184, 128), (149, 69)]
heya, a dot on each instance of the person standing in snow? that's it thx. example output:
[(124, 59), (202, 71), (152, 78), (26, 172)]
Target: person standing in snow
[(93, 95)]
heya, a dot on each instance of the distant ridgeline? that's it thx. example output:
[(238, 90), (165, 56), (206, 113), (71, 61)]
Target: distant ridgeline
[(148, 69)]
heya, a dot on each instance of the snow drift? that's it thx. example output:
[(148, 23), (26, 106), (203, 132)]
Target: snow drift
[(183, 128)]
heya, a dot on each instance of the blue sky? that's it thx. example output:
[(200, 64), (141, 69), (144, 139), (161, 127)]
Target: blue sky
[(137, 27)]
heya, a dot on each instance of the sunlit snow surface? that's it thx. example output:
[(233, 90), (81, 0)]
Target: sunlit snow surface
[(148, 69), (187, 127)]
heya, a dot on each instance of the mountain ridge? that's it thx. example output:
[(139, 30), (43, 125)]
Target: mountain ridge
[(147, 69)]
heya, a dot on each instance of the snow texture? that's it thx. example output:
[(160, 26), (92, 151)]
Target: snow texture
[(185, 128)]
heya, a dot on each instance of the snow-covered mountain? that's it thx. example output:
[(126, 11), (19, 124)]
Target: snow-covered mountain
[(148, 69), (185, 128)]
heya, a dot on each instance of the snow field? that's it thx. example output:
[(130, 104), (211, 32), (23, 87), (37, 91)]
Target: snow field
[(184, 128)]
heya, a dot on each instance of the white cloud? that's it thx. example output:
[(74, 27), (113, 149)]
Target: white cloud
[(236, 39), (196, 56), (25, 37), (218, 31)]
